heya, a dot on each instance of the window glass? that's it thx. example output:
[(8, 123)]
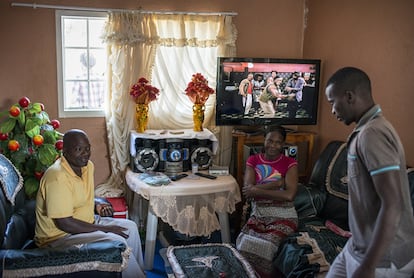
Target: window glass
[(81, 63)]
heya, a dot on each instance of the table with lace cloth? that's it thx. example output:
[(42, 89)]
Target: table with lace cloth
[(189, 206)]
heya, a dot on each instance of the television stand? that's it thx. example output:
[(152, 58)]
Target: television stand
[(248, 130), (252, 130)]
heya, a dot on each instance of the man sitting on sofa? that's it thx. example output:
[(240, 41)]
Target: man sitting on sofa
[(65, 206)]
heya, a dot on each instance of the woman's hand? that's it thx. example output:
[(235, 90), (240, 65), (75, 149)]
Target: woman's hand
[(249, 191)]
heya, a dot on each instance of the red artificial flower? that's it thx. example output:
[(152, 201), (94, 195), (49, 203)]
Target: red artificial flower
[(198, 90), (142, 92)]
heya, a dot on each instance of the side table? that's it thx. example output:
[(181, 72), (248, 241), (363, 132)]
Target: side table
[(189, 206)]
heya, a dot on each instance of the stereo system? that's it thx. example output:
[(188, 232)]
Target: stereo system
[(291, 151), (170, 155)]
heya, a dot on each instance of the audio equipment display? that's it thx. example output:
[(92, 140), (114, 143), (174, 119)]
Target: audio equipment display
[(172, 152), (146, 158), (291, 151), (174, 155), (202, 154)]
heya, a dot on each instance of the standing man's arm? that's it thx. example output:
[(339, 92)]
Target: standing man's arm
[(387, 185)]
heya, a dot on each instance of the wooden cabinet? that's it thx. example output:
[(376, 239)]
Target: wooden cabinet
[(304, 140)]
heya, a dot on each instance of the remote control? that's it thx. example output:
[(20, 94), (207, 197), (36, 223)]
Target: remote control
[(178, 177), (211, 177)]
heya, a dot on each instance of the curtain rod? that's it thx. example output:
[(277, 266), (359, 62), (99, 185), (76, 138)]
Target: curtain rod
[(35, 6)]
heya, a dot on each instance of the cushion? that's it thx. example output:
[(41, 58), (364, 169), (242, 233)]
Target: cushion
[(109, 256), (336, 177), (336, 210), (208, 260), (320, 169), (10, 179), (309, 252), (336, 185), (16, 233), (120, 206), (308, 201)]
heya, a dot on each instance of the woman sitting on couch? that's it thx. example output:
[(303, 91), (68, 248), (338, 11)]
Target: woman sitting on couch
[(270, 182)]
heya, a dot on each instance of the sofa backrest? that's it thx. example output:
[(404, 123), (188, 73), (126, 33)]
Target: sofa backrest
[(19, 221), (330, 176), (4, 219), (331, 167), (410, 173), (11, 183), (17, 215)]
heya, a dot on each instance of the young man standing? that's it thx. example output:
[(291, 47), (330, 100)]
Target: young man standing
[(380, 211)]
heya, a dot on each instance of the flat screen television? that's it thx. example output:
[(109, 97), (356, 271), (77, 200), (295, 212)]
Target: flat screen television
[(291, 100)]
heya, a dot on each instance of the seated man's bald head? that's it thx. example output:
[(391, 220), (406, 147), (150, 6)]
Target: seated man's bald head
[(72, 136)]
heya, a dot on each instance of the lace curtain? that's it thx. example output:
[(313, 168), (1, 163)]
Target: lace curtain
[(166, 49)]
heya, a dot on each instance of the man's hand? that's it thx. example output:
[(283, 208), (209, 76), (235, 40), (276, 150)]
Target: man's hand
[(116, 230), (105, 210), (103, 207)]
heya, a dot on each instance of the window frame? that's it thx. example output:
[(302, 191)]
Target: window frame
[(81, 113)]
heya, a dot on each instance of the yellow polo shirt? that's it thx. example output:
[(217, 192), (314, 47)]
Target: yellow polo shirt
[(63, 194)]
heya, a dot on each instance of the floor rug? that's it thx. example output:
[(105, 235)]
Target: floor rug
[(208, 260)]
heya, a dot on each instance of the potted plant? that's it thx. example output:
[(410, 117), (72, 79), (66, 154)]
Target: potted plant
[(30, 140)]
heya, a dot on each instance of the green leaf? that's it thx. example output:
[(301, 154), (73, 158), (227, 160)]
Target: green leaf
[(4, 149), (30, 165), (22, 138), (49, 137), (8, 125), (18, 158), (32, 128), (31, 185), (21, 118), (37, 118), (47, 154), (35, 108), (45, 117)]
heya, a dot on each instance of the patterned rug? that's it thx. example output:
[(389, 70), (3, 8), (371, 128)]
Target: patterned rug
[(208, 260)]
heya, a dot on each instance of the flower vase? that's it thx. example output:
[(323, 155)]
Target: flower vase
[(141, 116), (198, 116)]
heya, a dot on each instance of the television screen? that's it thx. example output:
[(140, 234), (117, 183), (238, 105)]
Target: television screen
[(267, 91)]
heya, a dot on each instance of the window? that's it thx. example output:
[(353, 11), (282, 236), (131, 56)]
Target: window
[(81, 67)]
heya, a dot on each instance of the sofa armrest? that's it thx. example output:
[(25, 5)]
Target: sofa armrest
[(309, 201), (109, 256)]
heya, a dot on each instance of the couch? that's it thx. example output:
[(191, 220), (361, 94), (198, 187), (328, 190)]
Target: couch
[(322, 207), (21, 258)]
